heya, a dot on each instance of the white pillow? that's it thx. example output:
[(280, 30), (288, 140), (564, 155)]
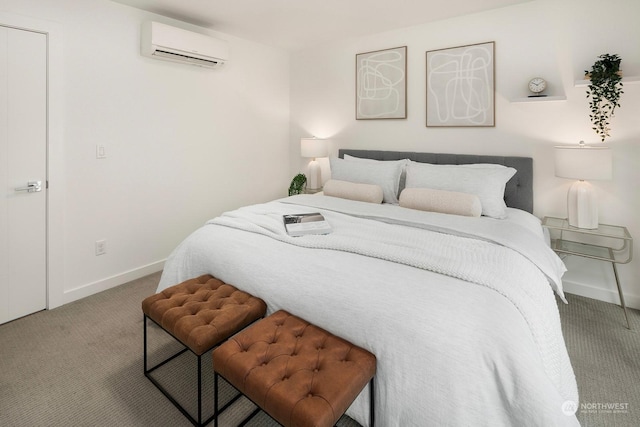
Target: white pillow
[(353, 191), (384, 174), (363, 160), (403, 162), (488, 183), (449, 202)]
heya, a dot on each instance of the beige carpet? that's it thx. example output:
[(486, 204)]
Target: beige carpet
[(81, 365), (606, 360)]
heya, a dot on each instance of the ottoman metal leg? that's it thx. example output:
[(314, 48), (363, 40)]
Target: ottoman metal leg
[(147, 373)]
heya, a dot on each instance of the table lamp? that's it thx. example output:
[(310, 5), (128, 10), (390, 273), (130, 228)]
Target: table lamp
[(583, 163), (313, 147)]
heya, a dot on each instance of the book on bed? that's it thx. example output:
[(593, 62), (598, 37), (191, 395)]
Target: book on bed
[(306, 223)]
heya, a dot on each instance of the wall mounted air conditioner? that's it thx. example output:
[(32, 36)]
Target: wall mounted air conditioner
[(161, 41)]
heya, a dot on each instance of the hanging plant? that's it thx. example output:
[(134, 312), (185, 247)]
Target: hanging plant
[(604, 92)]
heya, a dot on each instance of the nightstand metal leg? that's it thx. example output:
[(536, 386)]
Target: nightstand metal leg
[(624, 306)]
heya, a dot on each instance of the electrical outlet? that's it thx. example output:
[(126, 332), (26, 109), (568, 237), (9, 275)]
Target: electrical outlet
[(101, 247)]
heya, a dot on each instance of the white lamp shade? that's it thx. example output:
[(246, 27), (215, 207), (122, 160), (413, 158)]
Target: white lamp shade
[(313, 147), (584, 163)]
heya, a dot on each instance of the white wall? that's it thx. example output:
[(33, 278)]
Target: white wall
[(183, 143), (557, 40)]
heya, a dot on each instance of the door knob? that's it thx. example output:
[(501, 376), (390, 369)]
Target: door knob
[(32, 187)]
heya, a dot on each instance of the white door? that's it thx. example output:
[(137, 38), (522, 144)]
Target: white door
[(23, 162)]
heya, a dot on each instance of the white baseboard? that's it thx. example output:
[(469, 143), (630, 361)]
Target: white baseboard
[(606, 295), (111, 282)]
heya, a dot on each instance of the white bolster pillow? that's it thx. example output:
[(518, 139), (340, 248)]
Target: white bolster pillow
[(353, 191), (449, 202)]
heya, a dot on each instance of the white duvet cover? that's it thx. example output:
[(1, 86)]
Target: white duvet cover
[(459, 311)]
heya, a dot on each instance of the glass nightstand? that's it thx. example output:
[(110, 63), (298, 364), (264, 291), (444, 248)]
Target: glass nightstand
[(610, 243)]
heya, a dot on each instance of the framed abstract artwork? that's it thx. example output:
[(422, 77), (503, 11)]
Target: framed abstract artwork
[(461, 86), (381, 84)]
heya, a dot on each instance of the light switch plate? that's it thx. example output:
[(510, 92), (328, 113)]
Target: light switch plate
[(101, 152)]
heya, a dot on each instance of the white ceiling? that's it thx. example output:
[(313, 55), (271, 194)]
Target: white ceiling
[(295, 24)]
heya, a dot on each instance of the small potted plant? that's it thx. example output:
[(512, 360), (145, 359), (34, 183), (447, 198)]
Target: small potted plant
[(298, 184), (604, 91)]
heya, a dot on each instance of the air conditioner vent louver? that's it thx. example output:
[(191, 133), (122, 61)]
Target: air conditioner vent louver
[(185, 58), (160, 41)]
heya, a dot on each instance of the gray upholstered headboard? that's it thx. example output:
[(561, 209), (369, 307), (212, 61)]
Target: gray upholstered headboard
[(518, 193)]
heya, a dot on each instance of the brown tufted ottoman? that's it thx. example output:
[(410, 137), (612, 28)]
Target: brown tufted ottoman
[(297, 373), (200, 313)]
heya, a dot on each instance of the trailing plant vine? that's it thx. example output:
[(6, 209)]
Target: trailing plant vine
[(604, 90), (298, 184)]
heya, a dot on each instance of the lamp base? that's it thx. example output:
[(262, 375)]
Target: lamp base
[(314, 180), (582, 206)]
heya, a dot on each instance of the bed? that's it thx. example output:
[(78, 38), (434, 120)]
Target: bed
[(459, 310)]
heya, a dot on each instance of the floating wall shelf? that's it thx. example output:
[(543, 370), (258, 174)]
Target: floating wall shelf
[(630, 79), (540, 99)]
